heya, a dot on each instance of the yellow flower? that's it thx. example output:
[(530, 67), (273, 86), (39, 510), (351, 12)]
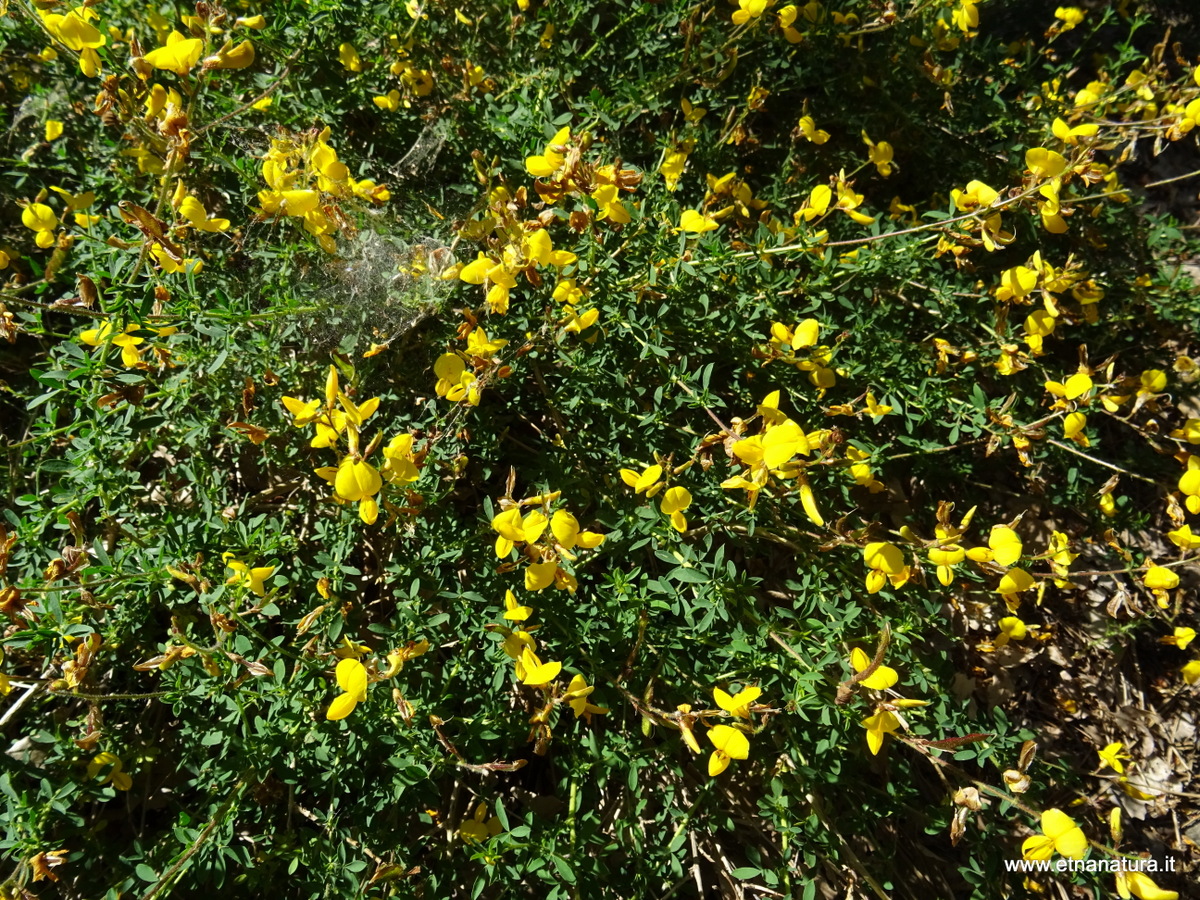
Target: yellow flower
[(179, 55), (880, 154), (881, 679), (513, 611), (787, 17), (480, 827), (231, 57), (730, 744), (946, 556), (646, 480), (1159, 580), (1045, 163), (40, 218), (352, 679), (886, 563), (197, 216), (674, 502), (882, 723), (247, 577), (539, 576), (808, 127), (966, 16), (1191, 671), (54, 129), (1181, 637), (565, 528), (817, 203), (1133, 883), (535, 672), (1059, 833), (696, 223), (1070, 16), (552, 158), (108, 765), (348, 57), (77, 32), (1111, 756), (739, 704), (1014, 582), (1005, 545), (749, 9), (356, 479), (576, 697), (1189, 484), (399, 465), (1011, 629), (1069, 135), (673, 164)]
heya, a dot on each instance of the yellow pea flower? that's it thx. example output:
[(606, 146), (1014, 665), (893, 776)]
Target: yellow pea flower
[(1160, 578), (231, 57), (510, 525), (1133, 883), (243, 575), (808, 127), (1070, 16), (946, 557), (645, 481), (886, 563), (880, 154), (1014, 582), (1011, 629), (399, 466), (1069, 135), (738, 704), (1180, 638), (552, 158), (40, 219), (197, 216), (730, 744), (674, 502), (514, 611), (349, 58), (54, 129), (1005, 545), (817, 203), (883, 723), (696, 223), (536, 672), (352, 679), (1111, 756), (749, 9), (179, 55), (673, 164), (112, 763), (356, 479), (881, 679), (787, 18), (480, 827), (1059, 833), (534, 525), (539, 576), (1191, 672), (1183, 538), (576, 697), (1045, 163), (303, 412), (1189, 484)]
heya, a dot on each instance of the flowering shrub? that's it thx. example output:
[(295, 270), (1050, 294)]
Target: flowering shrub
[(440, 468)]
